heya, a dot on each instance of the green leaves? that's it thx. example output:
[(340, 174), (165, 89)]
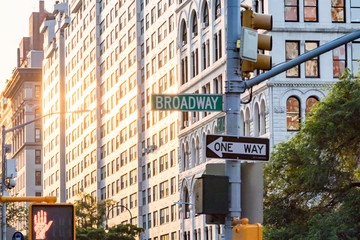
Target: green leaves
[(312, 183)]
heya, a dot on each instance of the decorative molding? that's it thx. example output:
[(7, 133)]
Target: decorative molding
[(300, 84)]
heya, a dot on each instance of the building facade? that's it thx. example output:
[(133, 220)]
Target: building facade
[(21, 103), (279, 105), (108, 57)]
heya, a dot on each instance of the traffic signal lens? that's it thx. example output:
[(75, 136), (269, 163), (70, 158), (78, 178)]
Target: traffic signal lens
[(52, 221)]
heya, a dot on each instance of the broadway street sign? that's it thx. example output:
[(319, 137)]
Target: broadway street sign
[(241, 148), (187, 102)]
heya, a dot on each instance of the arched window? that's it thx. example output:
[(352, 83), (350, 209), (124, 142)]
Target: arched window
[(293, 114), (184, 33), (194, 26), (186, 205), (256, 118), (193, 154), (197, 151), (217, 9), (247, 122), (186, 156), (242, 124), (262, 118), (310, 102), (206, 15)]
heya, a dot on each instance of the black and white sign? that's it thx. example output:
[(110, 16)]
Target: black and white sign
[(241, 148)]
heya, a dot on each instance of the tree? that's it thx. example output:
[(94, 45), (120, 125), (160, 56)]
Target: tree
[(118, 232), (90, 218), (15, 213), (312, 183), (89, 212)]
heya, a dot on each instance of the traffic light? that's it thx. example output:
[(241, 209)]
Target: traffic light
[(211, 197), (246, 231), (255, 21), (51, 221)]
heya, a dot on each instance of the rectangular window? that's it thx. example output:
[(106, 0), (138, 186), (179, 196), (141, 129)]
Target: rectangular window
[(292, 51), (37, 156), (355, 11), (37, 135), (338, 10), (312, 66), (291, 10), (172, 185), (310, 10), (37, 178), (172, 158), (355, 57), (339, 61)]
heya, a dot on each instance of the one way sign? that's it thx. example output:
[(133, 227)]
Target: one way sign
[(241, 148)]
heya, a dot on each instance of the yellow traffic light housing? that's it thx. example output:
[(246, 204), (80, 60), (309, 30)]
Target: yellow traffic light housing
[(256, 21), (246, 231), (52, 221)]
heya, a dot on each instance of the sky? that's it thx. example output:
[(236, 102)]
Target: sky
[(14, 19)]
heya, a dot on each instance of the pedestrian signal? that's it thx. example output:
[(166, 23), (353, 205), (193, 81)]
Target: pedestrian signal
[(51, 221)]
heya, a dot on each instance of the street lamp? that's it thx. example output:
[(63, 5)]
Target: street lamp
[(108, 213), (6, 148)]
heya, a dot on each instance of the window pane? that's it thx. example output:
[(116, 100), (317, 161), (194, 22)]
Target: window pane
[(310, 3), (290, 2), (356, 51), (292, 51), (338, 68), (355, 14), (310, 102), (355, 3), (356, 68), (311, 66), (337, 14), (339, 53), (337, 3), (293, 114), (310, 14), (291, 14)]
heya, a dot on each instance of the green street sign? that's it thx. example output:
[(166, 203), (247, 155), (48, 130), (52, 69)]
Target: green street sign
[(187, 102)]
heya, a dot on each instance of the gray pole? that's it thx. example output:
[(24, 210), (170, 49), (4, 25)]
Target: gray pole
[(232, 108), (62, 154), (3, 189)]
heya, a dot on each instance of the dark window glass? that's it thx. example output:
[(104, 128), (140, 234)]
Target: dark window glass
[(184, 33), (217, 9), (194, 26), (206, 15)]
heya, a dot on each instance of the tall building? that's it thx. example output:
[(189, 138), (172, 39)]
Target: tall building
[(109, 56), (279, 105), (21, 103)]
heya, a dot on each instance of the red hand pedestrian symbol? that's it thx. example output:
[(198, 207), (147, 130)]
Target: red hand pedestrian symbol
[(41, 226)]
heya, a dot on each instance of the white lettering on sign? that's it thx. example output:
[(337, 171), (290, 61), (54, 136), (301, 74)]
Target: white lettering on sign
[(219, 148), (188, 102), (159, 102)]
